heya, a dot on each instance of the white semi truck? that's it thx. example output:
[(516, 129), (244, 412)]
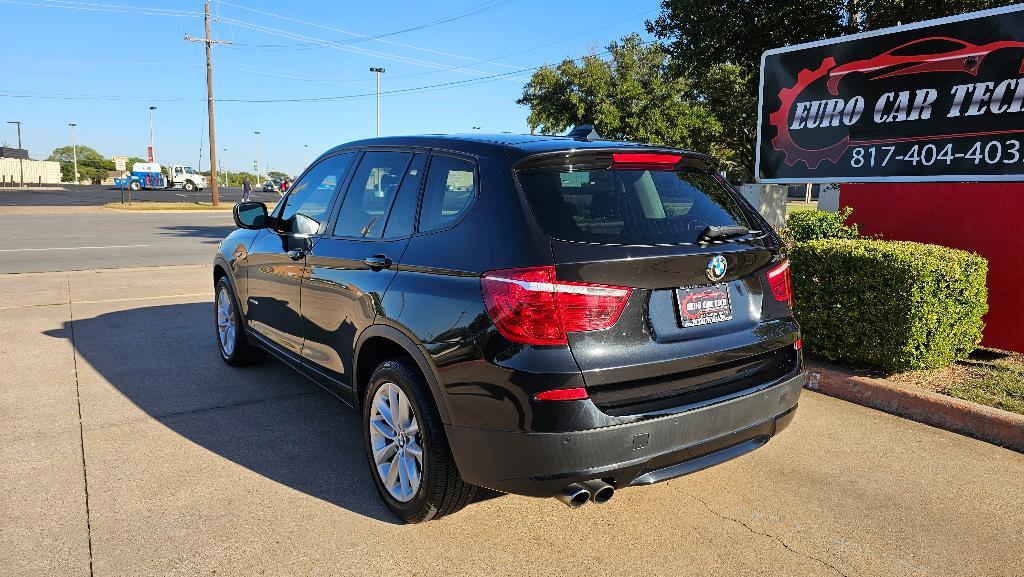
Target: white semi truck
[(185, 178)]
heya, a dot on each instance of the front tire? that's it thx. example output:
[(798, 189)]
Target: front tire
[(406, 447), (189, 186), (135, 186), (232, 342)]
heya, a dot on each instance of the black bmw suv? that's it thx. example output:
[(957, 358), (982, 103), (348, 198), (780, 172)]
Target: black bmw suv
[(548, 316)]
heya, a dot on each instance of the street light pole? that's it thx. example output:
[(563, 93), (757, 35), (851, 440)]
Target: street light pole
[(258, 179), (306, 146), (21, 166), (152, 156), (222, 163), (378, 71), (74, 148)]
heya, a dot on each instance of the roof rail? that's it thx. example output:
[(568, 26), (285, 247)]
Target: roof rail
[(584, 132)]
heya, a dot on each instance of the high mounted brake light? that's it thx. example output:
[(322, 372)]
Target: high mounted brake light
[(648, 159), (530, 306)]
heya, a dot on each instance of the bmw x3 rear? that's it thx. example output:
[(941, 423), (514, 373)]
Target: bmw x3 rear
[(555, 317)]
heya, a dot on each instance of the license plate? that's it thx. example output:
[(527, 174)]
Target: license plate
[(704, 305)]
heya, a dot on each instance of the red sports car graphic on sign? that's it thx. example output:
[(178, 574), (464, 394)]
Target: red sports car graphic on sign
[(920, 56)]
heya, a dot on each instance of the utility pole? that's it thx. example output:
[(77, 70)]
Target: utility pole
[(378, 71), (74, 148), (258, 179), (209, 98), (222, 163), (21, 167), (152, 154)]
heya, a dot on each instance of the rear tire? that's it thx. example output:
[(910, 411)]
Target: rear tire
[(232, 340), (135, 186), (440, 489)]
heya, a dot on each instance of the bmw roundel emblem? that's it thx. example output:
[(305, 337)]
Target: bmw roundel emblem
[(716, 268)]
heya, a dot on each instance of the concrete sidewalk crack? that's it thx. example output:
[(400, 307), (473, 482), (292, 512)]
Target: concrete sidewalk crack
[(81, 427), (768, 535)]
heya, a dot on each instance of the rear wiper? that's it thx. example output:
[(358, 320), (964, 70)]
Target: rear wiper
[(712, 233)]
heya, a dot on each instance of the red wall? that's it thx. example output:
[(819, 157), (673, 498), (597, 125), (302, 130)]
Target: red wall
[(986, 218)]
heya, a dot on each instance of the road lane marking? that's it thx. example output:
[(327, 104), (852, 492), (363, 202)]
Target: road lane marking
[(74, 247)]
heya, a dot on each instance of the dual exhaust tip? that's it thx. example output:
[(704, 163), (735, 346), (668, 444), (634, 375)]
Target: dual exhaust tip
[(576, 495)]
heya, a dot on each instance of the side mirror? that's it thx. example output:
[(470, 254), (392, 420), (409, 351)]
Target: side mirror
[(251, 215)]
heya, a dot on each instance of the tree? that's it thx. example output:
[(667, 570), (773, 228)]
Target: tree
[(877, 14), (631, 96), (717, 45), (277, 174), (92, 165)]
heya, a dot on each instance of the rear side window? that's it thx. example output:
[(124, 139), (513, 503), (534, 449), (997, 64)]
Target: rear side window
[(402, 220), (629, 206), (373, 188), (451, 185)]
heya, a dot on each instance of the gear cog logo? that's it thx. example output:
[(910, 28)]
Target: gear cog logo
[(783, 141)]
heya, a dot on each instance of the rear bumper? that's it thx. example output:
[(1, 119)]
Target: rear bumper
[(644, 452)]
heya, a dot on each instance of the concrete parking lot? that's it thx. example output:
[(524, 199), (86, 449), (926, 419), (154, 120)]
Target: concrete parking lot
[(128, 448)]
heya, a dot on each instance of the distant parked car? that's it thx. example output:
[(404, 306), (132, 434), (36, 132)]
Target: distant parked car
[(547, 316)]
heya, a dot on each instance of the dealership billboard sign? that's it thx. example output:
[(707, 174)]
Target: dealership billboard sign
[(941, 100)]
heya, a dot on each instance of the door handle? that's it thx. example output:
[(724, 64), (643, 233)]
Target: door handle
[(297, 254), (377, 262)]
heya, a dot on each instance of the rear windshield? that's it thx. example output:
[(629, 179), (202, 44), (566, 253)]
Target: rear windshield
[(629, 206)]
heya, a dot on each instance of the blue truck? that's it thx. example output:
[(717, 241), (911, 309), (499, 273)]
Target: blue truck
[(143, 175)]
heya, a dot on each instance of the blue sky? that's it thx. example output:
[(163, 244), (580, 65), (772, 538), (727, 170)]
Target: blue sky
[(102, 63)]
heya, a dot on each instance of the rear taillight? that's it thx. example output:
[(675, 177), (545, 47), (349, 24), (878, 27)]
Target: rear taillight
[(528, 305), (778, 279)]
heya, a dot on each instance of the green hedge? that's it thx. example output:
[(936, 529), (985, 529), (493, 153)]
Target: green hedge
[(807, 225), (889, 305)]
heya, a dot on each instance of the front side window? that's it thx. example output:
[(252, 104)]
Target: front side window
[(629, 206), (374, 185), (451, 185), (306, 205)]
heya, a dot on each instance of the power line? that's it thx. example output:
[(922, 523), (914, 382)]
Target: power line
[(360, 37), (341, 46), (531, 49), (414, 89), (95, 7)]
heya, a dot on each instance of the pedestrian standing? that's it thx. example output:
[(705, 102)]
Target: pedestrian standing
[(246, 190)]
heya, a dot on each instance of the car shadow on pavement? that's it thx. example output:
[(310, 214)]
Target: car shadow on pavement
[(267, 417), (215, 234)]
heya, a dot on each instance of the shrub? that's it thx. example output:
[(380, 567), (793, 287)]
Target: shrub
[(807, 225), (889, 305)]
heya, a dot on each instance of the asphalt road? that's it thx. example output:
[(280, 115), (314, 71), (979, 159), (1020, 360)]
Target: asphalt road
[(128, 448), (99, 195), (93, 238)]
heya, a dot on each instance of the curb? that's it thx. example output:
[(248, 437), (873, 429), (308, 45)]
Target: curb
[(995, 426)]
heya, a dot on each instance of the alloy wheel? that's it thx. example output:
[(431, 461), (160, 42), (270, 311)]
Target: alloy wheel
[(226, 326), (395, 441)]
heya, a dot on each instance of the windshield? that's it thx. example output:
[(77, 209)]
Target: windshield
[(188, 170), (629, 206)]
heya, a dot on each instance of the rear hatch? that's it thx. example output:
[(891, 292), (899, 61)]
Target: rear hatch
[(702, 320)]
